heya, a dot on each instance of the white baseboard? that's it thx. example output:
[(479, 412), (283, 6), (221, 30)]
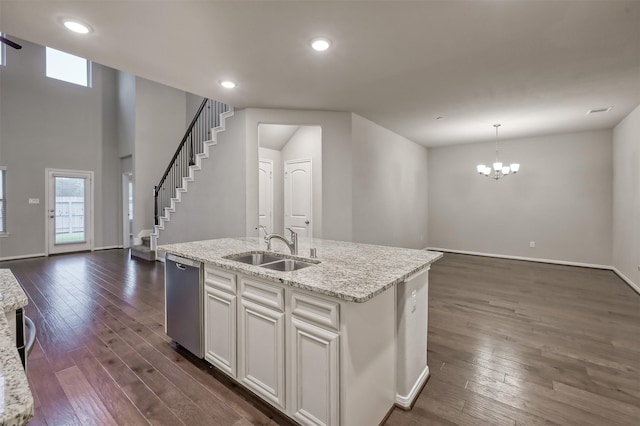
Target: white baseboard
[(529, 259), (626, 279), (406, 402), (24, 256), (631, 284), (108, 247)]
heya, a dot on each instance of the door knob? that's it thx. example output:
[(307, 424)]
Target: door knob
[(306, 222), (51, 217)]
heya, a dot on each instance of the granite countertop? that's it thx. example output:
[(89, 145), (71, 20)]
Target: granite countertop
[(348, 271), (16, 400)]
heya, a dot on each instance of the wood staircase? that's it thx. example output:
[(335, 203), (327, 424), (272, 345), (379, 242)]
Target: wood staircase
[(201, 135)]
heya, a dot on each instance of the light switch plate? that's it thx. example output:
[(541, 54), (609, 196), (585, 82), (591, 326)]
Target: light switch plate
[(34, 200)]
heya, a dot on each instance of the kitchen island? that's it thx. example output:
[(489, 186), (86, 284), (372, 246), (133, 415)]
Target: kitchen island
[(16, 400), (338, 342)]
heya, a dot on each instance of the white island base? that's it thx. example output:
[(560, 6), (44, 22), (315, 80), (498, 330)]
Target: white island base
[(339, 342), (318, 359), (385, 353)]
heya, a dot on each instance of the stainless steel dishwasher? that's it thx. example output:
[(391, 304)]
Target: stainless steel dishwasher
[(183, 303)]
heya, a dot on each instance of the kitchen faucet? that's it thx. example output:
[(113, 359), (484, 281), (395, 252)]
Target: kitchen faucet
[(264, 228), (293, 244)]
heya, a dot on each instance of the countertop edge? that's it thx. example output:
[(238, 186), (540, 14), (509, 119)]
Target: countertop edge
[(19, 403), (251, 270)]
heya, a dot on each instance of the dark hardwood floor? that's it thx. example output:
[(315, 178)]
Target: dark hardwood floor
[(509, 342)]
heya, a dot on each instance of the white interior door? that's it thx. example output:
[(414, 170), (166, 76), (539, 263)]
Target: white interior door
[(69, 211), (297, 196), (265, 191)]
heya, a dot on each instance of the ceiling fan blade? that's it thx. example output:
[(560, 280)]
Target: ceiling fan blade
[(10, 43)]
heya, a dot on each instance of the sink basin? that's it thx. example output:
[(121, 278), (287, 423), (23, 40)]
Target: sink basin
[(254, 258), (272, 261), (287, 265)]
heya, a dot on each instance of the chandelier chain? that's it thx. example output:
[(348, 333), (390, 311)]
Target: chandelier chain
[(496, 126)]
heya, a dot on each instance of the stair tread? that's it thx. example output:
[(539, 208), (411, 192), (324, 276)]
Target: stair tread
[(143, 252)]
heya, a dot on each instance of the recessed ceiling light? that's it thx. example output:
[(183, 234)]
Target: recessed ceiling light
[(228, 84), (76, 27), (320, 44)]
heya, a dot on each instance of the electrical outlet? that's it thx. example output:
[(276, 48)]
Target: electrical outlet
[(414, 300), (532, 244)]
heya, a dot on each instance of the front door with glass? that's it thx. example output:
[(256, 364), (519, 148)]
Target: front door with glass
[(69, 211)]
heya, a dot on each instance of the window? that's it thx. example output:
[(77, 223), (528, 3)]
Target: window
[(67, 67), (3, 201)]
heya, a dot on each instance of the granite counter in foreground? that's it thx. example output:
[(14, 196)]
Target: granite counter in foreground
[(348, 271), (16, 400)]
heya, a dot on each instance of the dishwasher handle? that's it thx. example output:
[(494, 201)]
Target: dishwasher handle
[(181, 266), (182, 262), (31, 327)]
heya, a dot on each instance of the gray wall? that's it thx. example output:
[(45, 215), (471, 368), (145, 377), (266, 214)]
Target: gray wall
[(390, 185), (109, 188), (561, 199), (306, 142), (211, 210), (126, 113), (46, 123), (355, 153), (626, 197), (160, 115), (214, 206), (193, 102)]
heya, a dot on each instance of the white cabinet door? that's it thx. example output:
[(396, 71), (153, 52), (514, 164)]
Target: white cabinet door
[(261, 351), (220, 329), (315, 374)]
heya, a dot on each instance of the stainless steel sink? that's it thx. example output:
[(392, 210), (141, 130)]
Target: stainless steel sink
[(254, 258), (272, 261), (287, 265)]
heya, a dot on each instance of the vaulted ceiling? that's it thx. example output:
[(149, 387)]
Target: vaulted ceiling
[(536, 67)]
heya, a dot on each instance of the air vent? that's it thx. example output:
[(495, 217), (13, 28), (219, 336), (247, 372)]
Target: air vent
[(598, 110)]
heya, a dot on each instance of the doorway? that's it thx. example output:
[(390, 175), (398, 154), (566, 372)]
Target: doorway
[(265, 192), (295, 193), (69, 221), (127, 209)]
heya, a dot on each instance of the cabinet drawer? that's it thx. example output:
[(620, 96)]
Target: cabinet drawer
[(266, 294), (220, 280), (316, 310)]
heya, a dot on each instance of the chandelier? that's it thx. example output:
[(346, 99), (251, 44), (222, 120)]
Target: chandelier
[(498, 171)]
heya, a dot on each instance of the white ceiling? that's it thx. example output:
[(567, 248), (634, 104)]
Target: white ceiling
[(534, 66), (275, 136)]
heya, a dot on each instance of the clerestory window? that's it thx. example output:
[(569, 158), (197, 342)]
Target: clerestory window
[(67, 67)]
